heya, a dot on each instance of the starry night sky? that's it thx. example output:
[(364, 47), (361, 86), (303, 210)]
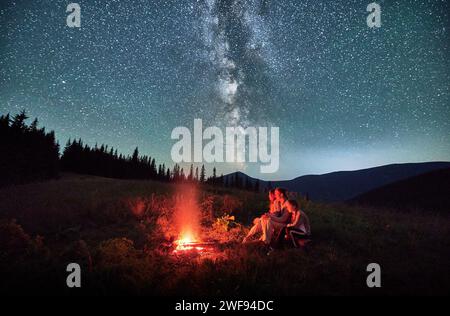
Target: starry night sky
[(344, 96)]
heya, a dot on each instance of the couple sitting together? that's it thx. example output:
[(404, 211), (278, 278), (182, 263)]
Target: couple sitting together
[(284, 217)]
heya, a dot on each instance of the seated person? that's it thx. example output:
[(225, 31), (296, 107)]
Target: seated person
[(299, 224), (274, 209), (270, 224)]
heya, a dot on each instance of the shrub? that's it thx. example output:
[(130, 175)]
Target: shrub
[(225, 223), (16, 244)]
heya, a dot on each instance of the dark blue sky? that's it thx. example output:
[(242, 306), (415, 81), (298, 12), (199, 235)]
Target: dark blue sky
[(344, 96)]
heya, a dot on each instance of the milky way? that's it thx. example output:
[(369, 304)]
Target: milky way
[(345, 96), (238, 49)]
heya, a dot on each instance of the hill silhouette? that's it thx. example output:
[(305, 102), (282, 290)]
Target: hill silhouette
[(430, 192), (345, 185)]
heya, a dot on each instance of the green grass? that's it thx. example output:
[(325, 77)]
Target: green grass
[(119, 231)]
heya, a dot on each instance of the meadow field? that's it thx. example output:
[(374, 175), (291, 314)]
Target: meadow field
[(121, 232)]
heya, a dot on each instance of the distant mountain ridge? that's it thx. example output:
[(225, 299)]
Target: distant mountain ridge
[(345, 185)]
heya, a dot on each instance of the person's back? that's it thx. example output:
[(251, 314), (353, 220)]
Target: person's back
[(299, 220), (301, 223)]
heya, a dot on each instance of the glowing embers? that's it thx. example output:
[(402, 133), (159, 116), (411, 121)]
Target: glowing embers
[(189, 245)]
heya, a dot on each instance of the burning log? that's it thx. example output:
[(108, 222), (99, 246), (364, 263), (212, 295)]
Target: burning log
[(190, 245)]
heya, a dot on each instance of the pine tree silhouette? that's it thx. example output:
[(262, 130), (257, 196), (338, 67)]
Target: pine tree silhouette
[(191, 173), (214, 176), (202, 174), (28, 153)]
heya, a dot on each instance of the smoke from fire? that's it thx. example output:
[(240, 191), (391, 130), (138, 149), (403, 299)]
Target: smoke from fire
[(187, 214)]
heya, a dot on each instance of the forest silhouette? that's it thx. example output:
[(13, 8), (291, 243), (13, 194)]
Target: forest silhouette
[(29, 153)]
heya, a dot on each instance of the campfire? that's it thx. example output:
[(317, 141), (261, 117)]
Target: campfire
[(188, 244), (187, 221)]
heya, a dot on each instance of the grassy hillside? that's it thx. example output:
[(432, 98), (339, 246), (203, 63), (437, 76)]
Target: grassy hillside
[(427, 192), (120, 232)]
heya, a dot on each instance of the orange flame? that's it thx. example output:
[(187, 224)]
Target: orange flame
[(187, 219), (187, 242)]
